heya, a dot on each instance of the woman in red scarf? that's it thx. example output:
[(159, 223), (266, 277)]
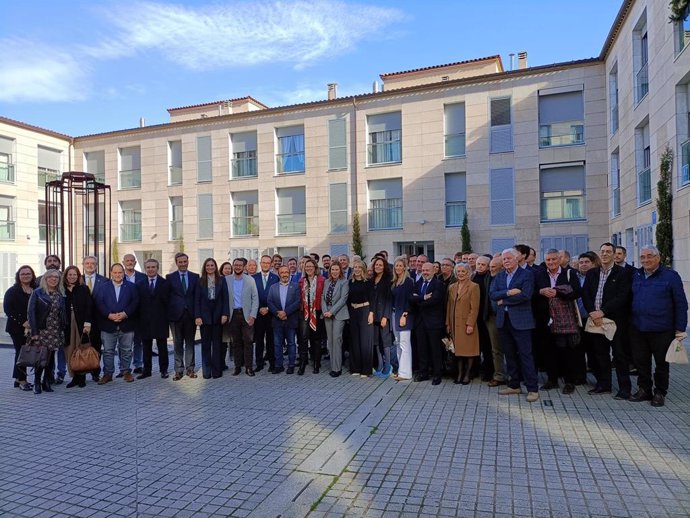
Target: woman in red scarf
[(311, 326)]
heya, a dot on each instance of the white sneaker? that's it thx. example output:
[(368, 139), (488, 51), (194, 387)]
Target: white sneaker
[(532, 397)]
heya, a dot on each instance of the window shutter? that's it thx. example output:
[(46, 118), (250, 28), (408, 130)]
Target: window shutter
[(502, 196)]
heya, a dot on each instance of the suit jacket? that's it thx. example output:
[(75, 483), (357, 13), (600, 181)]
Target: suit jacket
[(295, 277), (249, 296), (431, 312), (380, 298), (292, 303), (567, 276), (15, 304), (181, 304), (153, 309), (339, 305), (98, 281), (402, 303), (211, 311), (263, 293), (106, 303), (518, 307), (138, 277), (79, 300), (616, 297)]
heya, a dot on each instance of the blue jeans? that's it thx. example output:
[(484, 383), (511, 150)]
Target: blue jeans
[(280, 334), (61, 362), (137, 352), (517, 347), (123, 342)]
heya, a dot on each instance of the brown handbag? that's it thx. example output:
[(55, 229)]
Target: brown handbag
[(84, 358)]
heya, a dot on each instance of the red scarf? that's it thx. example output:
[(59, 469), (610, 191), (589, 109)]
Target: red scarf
[(308, 303)]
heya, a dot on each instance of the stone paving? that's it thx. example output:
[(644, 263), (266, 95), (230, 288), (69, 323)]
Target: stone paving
[(283, 446)]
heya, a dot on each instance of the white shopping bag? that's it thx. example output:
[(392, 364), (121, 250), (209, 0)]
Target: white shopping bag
[(676, 352)]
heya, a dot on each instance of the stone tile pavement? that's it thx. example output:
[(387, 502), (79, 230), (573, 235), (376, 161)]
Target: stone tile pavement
[(283, 446)]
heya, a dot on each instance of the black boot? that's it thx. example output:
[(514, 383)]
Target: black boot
[(461, 372), (37, 384), (74, 382), (46, 387), (317, 366), (302, 368), (468, 369)]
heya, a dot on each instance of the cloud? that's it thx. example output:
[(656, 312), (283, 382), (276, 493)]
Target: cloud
[(242, 34), (34, 72), (307, 93)]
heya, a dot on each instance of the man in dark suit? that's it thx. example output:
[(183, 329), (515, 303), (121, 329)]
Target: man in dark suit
[(117, 302), (512, 291), (606, 294), (263, 333), (93, 281), (133, 276), (429, 297), (154, 292), (344, 261), (283, 302), (183, 286)]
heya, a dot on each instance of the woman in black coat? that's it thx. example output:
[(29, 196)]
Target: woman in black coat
[(380, 313), (15, 304), (211, 311), (79, 307)]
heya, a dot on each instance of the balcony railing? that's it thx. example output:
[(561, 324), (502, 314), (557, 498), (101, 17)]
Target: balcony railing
[(455, 213), (287, 163), (563, 206), (246, 167), (175, 230), (175, 175), (385, 152), (292, 224), (130, 232), (642, 82), (644, 186), (6, 230), (7, 173), (685, 163), (616, 201), (455, 145), (614, 119), (387, 214), (246, 226), (130, 179), (561, 134), (90, 234), (47, 175)]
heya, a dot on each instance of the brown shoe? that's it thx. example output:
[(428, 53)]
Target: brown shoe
[(495, 383), (191, 374), (106, 378), (128, 377), (177, 376)]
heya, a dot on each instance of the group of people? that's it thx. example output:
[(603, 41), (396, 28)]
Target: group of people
[(501, 317)]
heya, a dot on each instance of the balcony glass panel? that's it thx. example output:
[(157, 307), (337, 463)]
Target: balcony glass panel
[(6, 230), (175, 230), (385, 147), (130, 179), (175, 175), (6, 173), (562, 205), (130, 231), (292, 224), (455, 213), (385, 214), (642, 82), (685, 163), (47, 175), (644, 186), (561, 134), (455, 145), (245, 166), (245, 226)]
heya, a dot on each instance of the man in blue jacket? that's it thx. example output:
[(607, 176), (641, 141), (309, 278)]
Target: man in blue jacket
[(263, 332), (659, 314), (283, 302), (183, 286)]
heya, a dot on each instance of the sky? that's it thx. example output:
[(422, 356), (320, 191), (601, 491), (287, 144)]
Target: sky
[(81, 67)]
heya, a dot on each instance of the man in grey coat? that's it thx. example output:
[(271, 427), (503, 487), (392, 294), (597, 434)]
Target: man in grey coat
[(244, 305)]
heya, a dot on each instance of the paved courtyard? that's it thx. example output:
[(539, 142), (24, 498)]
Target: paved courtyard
[(283, 446)]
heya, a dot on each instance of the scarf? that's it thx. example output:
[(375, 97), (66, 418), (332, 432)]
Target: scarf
[(308, 295)]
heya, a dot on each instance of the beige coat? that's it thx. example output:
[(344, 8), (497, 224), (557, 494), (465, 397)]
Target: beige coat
[(461, 310)]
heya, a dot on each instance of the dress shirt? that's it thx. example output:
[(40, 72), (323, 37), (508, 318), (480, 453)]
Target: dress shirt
[(237, 285), (117, 291), (283, 294), (603, 276)]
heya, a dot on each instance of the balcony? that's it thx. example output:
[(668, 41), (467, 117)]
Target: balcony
[(130, 179), (246, 167), (642, 82), (7, 173), (455, 213), (562, 206), (561, 134), (175, 175), (385, 214), (685, 163), (290, 163), (130, 232), (454, 145), (248, 226), (644, 186), (291, 224), (175, 230), (6, 230), (47, 175), (385, 153)]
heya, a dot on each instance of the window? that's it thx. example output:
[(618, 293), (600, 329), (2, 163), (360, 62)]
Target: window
[(454, 129), (385, 204), (90, 223), (247, 253), (290, 155), (501, 126), (338, 207), (337, 144), (613, 98), (6, 165), (291, 217), (385, 133), (644, 235), (95, 164), (562, 192), (8, 268), (684, 164), (204, 253), (43, 221), (502, 189), (7, 218), (615, 185), (683, 30), (575, 243), (130, 168), (643, 165), (456, 197), (561, 119), (499, 244), (130, 220), (49, 168), (640, 58), (175, 162), (244, 147), (204, 211), (339, 249), (204, 171), (176, 218), (245, 213)]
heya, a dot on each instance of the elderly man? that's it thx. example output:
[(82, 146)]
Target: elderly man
[(252, 267), (512, 290), (93, 281), (482, 277), (263, 333), (659, 314), (133, 276), (488, 314), (283, 302)]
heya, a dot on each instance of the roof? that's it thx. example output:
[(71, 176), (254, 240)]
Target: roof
[(616, 27), (216, 103), (436, 67), (37, 129)]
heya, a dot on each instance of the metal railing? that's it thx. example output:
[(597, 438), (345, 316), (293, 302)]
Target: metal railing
[(7, 173), (288, 163), (455, 213), (130, 179), (644, 186), (385, 152), (561, 134), (291, 224), (7, 230), (386, 215), (245, 226), (246, 167), (642, 82), (130, 232), (47, 175), (175, 175)]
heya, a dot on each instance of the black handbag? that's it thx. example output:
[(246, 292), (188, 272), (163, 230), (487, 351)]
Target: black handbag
[(32, 354)]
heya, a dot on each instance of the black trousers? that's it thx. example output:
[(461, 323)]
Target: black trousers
[(602, 347), (309, 344), (18, 373), (183, 340), (211, 350), (361, 350), (567, 357), (430, 350), (263, 340), (163, 361), (242, 336), (485, 349), (648, 345)]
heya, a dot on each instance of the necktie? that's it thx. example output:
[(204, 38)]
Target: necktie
[(90, 283), (265, 280), (184, 283), (151, 286), (424, 287)]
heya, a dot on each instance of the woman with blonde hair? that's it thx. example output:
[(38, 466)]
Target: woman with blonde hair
[(462, 309), (403, 319), (361, 353)]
